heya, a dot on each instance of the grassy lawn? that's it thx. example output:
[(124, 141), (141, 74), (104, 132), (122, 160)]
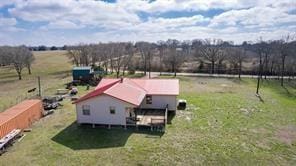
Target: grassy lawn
[(225, 124), (128, 75), (53, 67)]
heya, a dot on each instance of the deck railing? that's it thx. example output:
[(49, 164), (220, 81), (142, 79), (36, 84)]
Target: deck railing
[(131, 121), (157, 121)]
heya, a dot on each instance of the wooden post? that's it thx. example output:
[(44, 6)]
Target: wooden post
[(109, 126), (39, 87)]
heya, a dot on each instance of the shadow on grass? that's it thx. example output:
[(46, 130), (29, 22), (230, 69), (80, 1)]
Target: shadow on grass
[(287, 91), (260, 98), (85, 137), (171, 116), (61, 74), (290, 94), (9, 81)]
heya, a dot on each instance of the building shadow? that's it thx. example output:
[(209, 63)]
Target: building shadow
[(80, 137), (171, 116)]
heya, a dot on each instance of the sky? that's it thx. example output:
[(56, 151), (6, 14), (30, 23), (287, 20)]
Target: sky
[(66, 22)]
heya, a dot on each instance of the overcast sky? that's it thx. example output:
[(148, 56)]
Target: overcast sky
[(59, 22)]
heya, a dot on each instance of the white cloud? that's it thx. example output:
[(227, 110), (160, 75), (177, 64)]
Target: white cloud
[(258, 16), (7, 2), (87, 12), (160, 6), (7, 21), (179, 5), (241, 20), (61, 24), (9, 25)]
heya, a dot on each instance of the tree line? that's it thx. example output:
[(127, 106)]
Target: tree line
[(19, 57), (214, 56), (45, 48)]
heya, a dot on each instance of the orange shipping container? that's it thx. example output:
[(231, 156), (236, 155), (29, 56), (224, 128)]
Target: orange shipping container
[(20, 116)]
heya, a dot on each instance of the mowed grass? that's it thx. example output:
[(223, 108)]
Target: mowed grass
[(53, 67), (224, 124)]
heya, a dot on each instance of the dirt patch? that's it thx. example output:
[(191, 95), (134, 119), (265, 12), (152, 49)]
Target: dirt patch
[(200, 85), (286, 134), (248, 111), (187, 114)]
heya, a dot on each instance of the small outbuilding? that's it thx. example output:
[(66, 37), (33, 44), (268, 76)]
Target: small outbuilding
[(83, 73)]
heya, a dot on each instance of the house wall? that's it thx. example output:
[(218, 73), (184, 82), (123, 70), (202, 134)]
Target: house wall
[(100, 111), (160, 102)]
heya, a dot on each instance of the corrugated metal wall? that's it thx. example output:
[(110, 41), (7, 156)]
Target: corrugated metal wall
[(20, 116)]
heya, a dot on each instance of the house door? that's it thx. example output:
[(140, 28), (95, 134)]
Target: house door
[(130, 113)]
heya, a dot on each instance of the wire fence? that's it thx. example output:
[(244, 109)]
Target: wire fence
[(48, 88)]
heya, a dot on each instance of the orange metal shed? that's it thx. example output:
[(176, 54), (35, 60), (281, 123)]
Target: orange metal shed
[(20, 116)]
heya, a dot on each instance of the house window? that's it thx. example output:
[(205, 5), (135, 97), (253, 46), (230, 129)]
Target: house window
[(112, 110), (85, 110), (148, 99)]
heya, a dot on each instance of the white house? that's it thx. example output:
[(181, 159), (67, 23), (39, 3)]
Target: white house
[(128, 102)]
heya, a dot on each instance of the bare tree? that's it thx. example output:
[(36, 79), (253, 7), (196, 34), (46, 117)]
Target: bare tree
[(129, 54), (211, 50), (118, 53), (29, 58), (18, 58), (175, 55), (259, 48), (161, 48), (145, 50), (74, 54), (95, 53), (104, 49), (236, 56), (85, 52), (5, 57), (284, 50)]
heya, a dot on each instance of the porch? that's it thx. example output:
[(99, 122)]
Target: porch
[(147, 117)]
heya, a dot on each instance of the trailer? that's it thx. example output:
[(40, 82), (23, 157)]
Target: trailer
[(8, 140)]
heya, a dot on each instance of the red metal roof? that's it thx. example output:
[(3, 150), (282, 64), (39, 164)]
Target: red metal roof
[(133, 90), (105, 82), (159, 86)]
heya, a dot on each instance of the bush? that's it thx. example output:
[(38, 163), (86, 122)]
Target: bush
[(131, 71), (98, 68)]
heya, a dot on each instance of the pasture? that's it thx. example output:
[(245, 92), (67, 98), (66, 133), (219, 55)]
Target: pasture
[(224, 123)]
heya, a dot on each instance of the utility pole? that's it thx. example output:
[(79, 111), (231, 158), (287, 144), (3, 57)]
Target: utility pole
[(39, 86), (149, 56), (259, 74)]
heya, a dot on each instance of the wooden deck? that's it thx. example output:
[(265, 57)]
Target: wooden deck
[(150, 117), (148, 120)]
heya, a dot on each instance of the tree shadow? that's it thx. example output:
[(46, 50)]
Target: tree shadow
[(289, 94), (85, 137), (260, 98), (61, 74)]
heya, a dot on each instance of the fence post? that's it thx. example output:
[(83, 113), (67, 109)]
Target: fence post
[(39, 86)]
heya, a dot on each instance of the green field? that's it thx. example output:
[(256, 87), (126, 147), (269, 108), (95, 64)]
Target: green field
[(53, 67), (224, 124)]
